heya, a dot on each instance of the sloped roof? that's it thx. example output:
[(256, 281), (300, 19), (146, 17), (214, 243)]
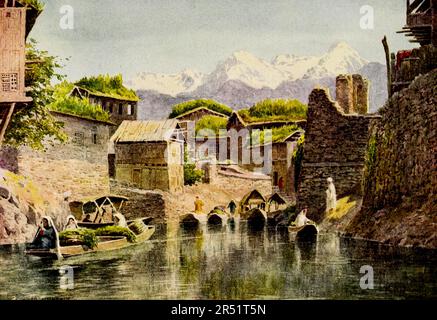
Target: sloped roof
[(276, 197), (218, 114), (146, 131), (254, 194)]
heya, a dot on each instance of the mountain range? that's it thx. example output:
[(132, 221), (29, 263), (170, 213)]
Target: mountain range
[(244, 79)]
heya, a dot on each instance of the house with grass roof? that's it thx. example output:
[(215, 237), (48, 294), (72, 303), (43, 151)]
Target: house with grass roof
[(110, 94)]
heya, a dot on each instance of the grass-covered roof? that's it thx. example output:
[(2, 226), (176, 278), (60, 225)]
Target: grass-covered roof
[(188, 106), (107, 86), (272, 110)]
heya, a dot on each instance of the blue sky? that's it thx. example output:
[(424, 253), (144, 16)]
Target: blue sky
[(131, 36)]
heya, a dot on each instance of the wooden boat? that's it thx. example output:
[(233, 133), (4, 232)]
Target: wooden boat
[(307, 231), (106, 243), (92, 225), (192, 220)]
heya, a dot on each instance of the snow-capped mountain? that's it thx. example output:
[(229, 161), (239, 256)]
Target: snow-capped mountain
[(243, 79), (171, 84)]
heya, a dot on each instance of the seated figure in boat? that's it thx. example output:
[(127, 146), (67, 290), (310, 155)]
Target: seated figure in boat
[(120, 220), (71, 223), (302, 219), (47, 236)]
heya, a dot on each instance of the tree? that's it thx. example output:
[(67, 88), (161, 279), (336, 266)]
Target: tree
[(191, 174), (33, 122)]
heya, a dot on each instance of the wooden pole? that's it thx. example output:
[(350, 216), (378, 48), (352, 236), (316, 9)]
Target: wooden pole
[(387, 60), (5, 122)]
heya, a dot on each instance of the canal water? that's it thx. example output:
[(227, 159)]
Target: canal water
[(225, 263)]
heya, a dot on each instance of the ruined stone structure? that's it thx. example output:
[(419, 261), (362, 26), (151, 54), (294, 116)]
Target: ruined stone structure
[(335, 146), (400, 186), (352, 93), (149, 155), (79, 166)]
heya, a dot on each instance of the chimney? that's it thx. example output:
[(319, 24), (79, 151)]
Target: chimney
[(352, 93), (344, 92), (361, 94)]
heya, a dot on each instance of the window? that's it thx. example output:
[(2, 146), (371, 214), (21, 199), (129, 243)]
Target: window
[(78, 138), (94, 135), (94, 138), (111, 109), (120, 109), (9, 82), (275, 178), (130, 109), (8, 14)]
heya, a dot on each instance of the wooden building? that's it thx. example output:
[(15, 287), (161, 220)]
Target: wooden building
[(119, 108), (421, 22), (149, 155), (421, 25), (17, 18), (283, 180)]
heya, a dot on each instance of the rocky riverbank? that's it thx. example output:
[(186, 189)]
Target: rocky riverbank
[(22, 205)]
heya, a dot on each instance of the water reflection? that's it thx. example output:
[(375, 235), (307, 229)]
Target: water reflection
[(225, 263)]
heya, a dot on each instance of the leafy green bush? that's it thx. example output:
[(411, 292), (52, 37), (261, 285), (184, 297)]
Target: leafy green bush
[(84, 236), (212, 123), (116, 231), (275, 110), (191, 174), (34, 3), (110, 86), (184, 107), (33, 124)]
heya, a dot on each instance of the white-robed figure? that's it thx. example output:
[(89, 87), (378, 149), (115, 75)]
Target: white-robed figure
[(331, 196), (120, 220), (71, 223), (302, 219), (47, 236)]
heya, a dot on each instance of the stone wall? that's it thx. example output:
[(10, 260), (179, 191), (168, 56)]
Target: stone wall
[(141, 203), (9, 159), (335, 146), (400, 195), (79, 166), (236, 181)]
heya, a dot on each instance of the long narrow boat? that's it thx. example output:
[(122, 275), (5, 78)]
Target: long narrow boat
[(192, 220), (307, 231), (106, 243)]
